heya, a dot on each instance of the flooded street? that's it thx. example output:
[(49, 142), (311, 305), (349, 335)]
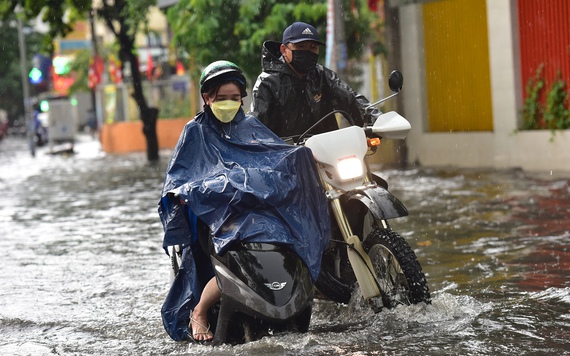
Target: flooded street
[(83, 271)]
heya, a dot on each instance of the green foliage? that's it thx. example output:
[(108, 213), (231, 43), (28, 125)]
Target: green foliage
[(175, 108), (553, 114), (532, 110), (80, 65), (363, 28), (11, 98), (59, 14), (209, 30), (135, 13), (556, 113), (80, 68), (124, 17)]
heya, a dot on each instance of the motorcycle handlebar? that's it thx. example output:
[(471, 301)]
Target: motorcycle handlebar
[(349, 118)]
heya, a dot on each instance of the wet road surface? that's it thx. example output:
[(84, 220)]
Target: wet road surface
[(83, 271)]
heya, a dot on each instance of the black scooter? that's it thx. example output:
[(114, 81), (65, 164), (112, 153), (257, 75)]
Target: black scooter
[(266, 288)]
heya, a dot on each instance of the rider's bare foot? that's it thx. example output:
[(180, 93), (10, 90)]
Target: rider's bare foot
[(200, 328)]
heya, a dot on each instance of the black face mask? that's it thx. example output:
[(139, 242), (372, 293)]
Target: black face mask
[(303, 61)]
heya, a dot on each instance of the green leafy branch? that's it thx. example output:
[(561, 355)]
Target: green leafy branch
[(554, 113)]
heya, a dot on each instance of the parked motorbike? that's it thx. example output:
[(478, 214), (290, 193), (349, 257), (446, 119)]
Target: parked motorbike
[(363, 248), (40, 128)]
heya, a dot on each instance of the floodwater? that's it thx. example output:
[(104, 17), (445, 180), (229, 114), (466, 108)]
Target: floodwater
[(83, 271)]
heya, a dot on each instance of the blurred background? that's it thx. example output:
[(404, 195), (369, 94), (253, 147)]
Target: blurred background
[(485, 81)]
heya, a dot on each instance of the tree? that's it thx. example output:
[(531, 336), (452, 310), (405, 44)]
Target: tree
[(10, 72), (207, 29), (123, 18)]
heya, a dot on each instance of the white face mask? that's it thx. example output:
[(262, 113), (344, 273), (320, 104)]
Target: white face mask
[(225, 110)]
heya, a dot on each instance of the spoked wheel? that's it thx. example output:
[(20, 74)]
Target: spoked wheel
[(399, 273)]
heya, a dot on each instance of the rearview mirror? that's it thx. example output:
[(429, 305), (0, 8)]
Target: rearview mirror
[(396, 81)]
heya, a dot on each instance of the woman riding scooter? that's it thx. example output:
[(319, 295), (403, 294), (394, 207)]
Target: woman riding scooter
[(229, 176)]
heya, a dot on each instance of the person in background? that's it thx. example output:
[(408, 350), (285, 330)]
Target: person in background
[(293, 92)]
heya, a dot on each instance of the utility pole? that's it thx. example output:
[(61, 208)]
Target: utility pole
[(392, 36), (95, 55), (24, 69), (340, 42), (336, 56)]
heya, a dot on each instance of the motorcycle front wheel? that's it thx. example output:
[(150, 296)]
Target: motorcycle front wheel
[(400, 276)]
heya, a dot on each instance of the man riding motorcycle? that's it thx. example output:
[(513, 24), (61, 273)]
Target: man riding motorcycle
[(294, 91)]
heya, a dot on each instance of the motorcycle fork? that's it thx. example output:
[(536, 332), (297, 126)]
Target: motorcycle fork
[(339, 215), (342, 220), (359, 259)]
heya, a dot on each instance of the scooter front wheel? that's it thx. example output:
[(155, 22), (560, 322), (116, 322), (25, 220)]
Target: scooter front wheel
[(175, 253), (336, 280)]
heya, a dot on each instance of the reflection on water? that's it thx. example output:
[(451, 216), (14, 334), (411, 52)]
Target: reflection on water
[(83, 271)]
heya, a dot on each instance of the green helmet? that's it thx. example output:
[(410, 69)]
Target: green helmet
[(219, 72)]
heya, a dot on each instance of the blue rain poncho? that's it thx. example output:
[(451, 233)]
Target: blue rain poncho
[(245, 184)]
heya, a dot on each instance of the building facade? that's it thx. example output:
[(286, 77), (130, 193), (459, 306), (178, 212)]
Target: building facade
[(466, 65)]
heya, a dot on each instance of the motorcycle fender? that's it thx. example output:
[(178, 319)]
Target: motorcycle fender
[(379, 201)]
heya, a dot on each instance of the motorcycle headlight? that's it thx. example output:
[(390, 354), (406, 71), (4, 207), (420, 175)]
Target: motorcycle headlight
[(349, 168)]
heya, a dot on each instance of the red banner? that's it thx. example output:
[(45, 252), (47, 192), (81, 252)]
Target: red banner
[(96, 68)]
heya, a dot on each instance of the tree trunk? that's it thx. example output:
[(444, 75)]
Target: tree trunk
[(113, 14), (148, 115)]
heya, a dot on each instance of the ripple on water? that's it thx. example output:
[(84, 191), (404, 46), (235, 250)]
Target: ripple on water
[(83, 270)]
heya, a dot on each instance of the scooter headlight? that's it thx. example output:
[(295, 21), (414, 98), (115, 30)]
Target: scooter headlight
[(349, 168)]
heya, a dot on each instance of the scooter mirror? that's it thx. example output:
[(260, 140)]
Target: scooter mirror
[(395, 81)]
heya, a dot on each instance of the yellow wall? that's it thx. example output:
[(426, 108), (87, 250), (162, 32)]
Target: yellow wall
[(457, 66)]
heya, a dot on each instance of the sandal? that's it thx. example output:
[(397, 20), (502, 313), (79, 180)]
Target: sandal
[(203, 327)]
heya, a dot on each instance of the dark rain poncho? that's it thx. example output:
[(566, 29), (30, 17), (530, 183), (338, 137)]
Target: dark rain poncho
[(245, 184), (289, 105)]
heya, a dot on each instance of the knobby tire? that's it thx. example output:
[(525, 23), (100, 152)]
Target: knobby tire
[(340, 289)]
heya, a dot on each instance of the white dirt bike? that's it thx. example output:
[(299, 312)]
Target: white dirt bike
[(364, 250)]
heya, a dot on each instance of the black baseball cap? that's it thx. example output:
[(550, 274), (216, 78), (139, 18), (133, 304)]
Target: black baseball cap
[(299, 32)]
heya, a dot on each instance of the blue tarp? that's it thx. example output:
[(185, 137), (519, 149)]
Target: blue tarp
[(245, 183)]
